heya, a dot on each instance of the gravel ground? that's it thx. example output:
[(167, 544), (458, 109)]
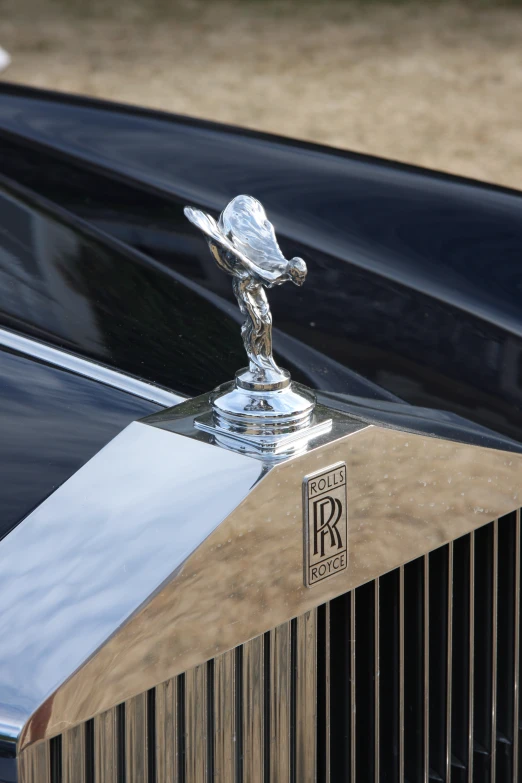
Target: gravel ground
[(433, 83)]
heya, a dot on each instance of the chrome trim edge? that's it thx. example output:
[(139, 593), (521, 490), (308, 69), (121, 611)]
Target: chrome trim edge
[(77, 365)]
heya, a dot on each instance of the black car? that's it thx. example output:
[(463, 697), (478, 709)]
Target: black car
[(186, 597)]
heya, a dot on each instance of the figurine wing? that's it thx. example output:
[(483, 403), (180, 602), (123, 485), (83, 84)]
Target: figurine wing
[(208, 225), (245, 221), (205, 223)]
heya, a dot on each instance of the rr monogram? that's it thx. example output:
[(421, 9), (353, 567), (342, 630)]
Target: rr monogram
[(322, 526), (325, 523)]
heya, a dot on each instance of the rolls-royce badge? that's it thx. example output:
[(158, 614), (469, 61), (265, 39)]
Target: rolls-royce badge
[(325, 520)]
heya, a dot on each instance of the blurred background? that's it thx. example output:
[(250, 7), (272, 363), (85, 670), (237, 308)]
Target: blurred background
[(432, 82)]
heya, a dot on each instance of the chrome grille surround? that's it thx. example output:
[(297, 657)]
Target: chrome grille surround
[(379, 684), (215, 543)]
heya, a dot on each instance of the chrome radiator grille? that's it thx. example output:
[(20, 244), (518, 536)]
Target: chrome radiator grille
[(412, 677)]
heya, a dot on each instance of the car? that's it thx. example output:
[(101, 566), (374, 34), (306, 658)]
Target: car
[(306, 570)]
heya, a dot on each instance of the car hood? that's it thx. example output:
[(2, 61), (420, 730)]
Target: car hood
[(414, 277)]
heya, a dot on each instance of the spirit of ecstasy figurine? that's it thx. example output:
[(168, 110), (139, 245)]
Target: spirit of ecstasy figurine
[(244, 244), (262, 409)]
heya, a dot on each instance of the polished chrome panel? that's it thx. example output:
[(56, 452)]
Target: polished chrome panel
[(106, 748), (280, 702), (136, 740), (306, 696), (516, 673), (196, 719), (449, 662), (73, 755), (35, 765), (97, 549), (185, 550), (253, 710), (225, 739), (88, 369)]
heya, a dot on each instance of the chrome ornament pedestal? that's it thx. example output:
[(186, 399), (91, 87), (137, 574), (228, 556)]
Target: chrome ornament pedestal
[(268, 418), (262, 410)]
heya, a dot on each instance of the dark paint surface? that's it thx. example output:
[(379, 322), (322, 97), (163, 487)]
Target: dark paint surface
[(7, 762), (66, 283), (414, 277), (51, 423)]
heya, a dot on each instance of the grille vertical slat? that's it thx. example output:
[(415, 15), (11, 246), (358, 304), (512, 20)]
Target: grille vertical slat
[(401, 674), (136, 740), (483, 652), (426, 669), (506, 648), (322, 695), (365, 675), (105, 747), (279, 750), (73, 750), (494, 654), (167, 768), (353, 691), (471, 656), (327, 688), (516, 673), (253, 710), (377, 686), (306, 688), (238, 678), (280, 703), (460, 697), (211, 720), (414, 671), (35, 764), (389, 677), (341, 694), (196, 725), (225, 718), (438, 611), (449, 662)]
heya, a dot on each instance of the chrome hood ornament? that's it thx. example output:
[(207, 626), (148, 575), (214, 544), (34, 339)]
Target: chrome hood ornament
[(244, 244), (262, 407)]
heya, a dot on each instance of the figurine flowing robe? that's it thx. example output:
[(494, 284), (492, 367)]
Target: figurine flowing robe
[(244, 244)]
